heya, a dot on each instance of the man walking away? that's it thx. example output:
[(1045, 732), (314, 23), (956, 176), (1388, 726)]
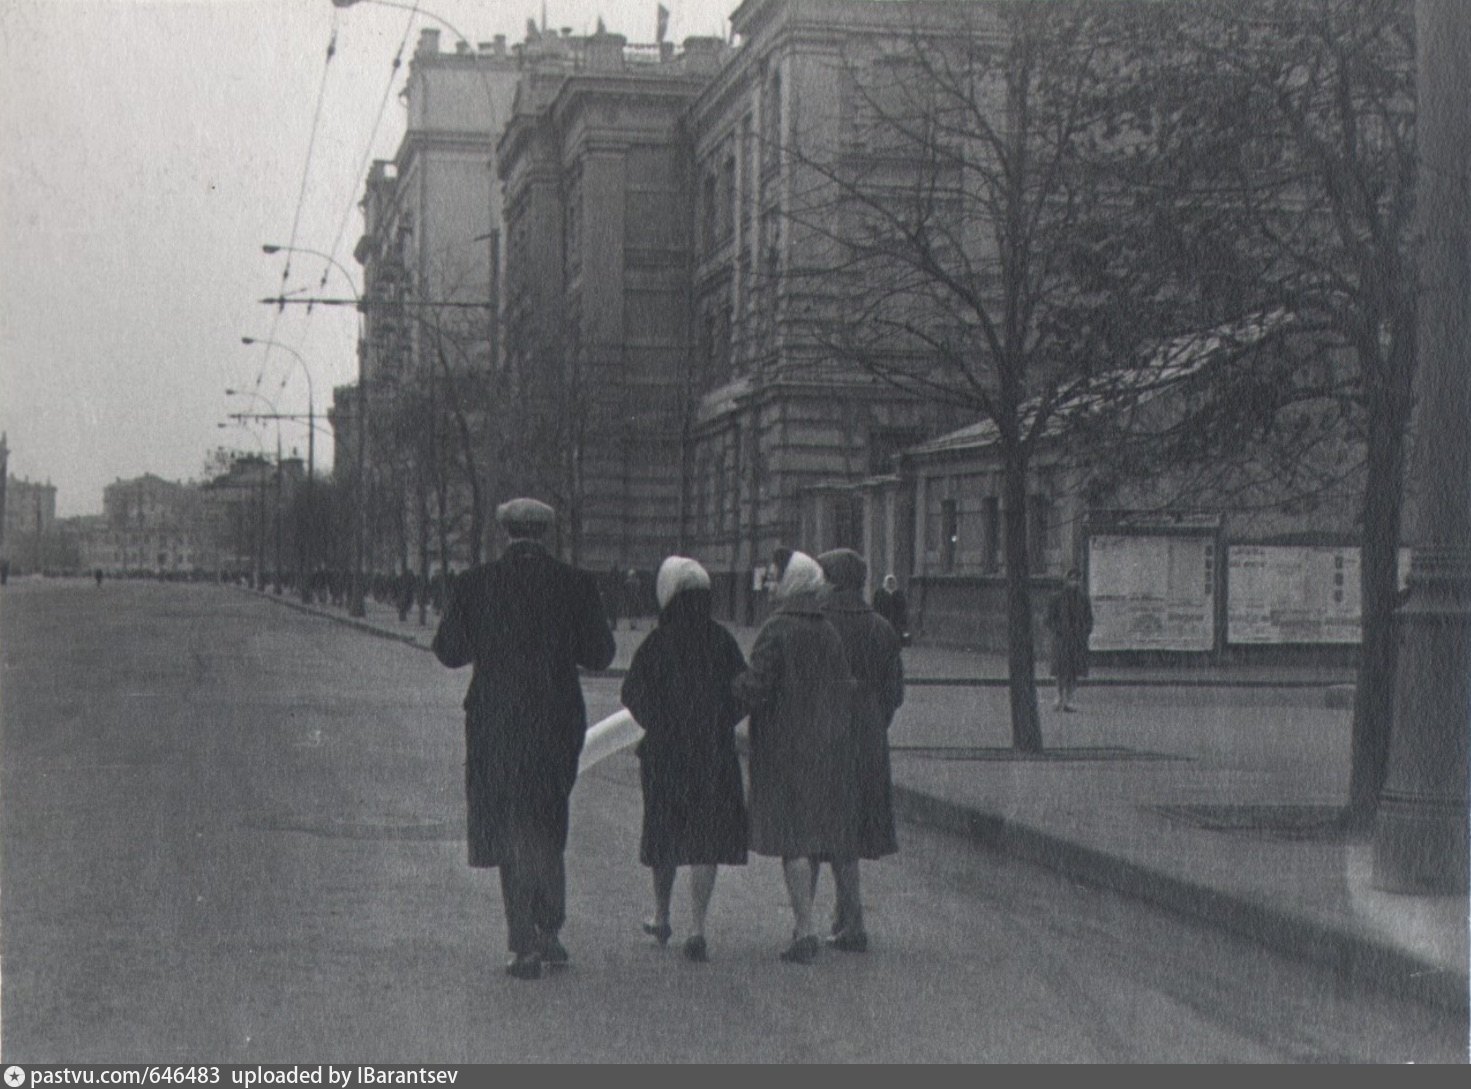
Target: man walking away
[(526, 621)]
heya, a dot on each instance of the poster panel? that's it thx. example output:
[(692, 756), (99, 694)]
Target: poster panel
[(1152, 592), (1292, 594)]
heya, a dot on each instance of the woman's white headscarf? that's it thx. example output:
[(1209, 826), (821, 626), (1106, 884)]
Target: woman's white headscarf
[(802, 576), (679, 573)]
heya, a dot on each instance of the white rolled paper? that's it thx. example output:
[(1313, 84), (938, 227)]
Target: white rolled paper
[(613, 734)]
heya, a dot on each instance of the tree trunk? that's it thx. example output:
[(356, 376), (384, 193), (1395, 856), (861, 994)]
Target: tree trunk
[(1026, 728), (442, 501), (1379, 595), (423, 555)]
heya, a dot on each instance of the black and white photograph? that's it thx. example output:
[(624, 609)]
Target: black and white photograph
[(732, 532)]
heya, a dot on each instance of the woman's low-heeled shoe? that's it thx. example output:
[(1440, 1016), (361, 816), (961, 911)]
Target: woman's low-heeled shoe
[(660, 932), (801, 951), (695, 949)]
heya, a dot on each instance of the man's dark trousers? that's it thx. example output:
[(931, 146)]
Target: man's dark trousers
[(534, 890)]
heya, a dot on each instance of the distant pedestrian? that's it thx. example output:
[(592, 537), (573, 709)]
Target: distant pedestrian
[(1070, 619), (678, 688), (404, 593), (802, 788), (97, 574), (611, 587), (526, 621), (872, 648), (633, 597), (891, 604)]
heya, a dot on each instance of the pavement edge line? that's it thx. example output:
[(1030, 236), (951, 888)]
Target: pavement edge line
[(1353, 956)]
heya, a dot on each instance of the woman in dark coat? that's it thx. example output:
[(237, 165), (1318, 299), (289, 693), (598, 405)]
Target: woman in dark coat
[(678, 688), (872, 648), (800, 694), (1070, 617)]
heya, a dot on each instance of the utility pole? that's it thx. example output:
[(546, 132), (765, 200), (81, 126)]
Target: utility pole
[(1420, 841), (357, 604), (4, 480), (276, 579)]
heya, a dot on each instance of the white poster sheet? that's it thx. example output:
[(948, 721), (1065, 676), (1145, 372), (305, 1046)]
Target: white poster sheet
[(1292, 594), (1152, 592)]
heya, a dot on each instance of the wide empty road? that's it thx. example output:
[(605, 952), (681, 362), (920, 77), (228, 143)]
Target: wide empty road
[(232, 832)]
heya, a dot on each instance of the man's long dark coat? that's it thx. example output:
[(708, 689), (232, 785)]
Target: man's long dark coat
[(526, 622)]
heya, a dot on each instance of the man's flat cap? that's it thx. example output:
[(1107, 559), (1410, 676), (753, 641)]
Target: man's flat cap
[(526, 512)]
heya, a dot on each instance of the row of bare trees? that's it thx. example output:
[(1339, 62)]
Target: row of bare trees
[(433, 431), (1027, 200)]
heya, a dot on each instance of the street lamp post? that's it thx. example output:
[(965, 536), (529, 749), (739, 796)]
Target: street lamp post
[(305, 546), (414, 8), (356, 603)]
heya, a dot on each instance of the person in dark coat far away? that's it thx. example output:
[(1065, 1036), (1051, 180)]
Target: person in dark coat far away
[(872, 648), (678, 689), (800, 694), (1070, 618), (891, 604), (633, 597), (526, 621)]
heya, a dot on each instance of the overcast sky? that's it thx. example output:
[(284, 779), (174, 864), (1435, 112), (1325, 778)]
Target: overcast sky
[(150, 148)]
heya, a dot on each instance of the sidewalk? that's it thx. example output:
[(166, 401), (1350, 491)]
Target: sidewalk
[(1213, 800)]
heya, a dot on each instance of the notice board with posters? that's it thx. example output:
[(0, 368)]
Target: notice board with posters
[(1152, 591), (1292, 594)]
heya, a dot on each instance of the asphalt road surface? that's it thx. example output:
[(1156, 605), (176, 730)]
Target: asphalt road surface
[(232, 832)]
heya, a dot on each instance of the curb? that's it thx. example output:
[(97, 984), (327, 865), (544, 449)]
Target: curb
[(1354, 957), (350, 621)]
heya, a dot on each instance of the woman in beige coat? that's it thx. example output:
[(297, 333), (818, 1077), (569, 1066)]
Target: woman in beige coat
[(800, 692)]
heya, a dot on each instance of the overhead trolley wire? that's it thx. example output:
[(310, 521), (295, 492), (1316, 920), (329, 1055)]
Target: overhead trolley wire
[(306, 172), (362, 170)]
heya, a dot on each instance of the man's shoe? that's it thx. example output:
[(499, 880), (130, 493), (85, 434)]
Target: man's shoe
[(801, 951), (553, 953), (854, 941), (695, 949), (525, 966)]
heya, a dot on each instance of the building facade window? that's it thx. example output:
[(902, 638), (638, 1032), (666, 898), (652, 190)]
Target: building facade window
[(886, 445), (1039, 529), (991, 534), (949, 533), (848, 522), (725, 222), (708, 212)]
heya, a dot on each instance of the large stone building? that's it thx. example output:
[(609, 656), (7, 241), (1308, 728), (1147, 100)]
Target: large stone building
[(654, 370), (649, 311), (596, 314), (148, 526), (30, 524), (781, 432), (430, 257)]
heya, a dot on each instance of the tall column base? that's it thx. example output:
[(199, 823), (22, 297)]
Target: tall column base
[(1423, 824)]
